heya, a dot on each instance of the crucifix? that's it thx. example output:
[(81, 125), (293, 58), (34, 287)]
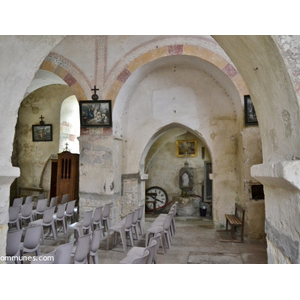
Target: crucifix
[(42, 122), (95, 96), (66, 149)]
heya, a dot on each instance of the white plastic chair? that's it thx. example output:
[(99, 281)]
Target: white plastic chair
[(13, 243), (140, 217), (53, 201), (18, 201), (47, 221), (28, 199), (69, 212), (154, 230), (122, 228), (82, 249), (136, 252), (32, 239), (59, 216), (65, 199), (97, 219), (63, 253), (13, 212), (142, 259), (60, 255), (26, 213), (105, 216), (95, 244), (40, 208), (135, 223), (79, 227)]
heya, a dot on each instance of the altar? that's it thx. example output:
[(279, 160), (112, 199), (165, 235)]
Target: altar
[(187, 206)]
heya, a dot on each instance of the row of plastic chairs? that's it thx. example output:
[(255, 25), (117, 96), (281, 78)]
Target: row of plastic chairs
[(86, 250), (165, 225), (98, 217), (29, 199), (83, 252), (19, 213), (131, 223)]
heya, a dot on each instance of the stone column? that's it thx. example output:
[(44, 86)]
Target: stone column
[(7, 175)]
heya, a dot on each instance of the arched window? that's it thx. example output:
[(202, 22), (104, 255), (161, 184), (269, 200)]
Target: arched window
[(69, 125)]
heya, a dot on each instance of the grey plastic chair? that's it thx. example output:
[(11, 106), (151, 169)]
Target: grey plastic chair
[(47, 221), (18, 201), (59, 216), (80, 227), (26, 213), (32, 239), (97, 219), (69, 212), (28, 199), (166, 224), (65, 199), (122, 228), (13, 244), (143, 259), (13, 212), (162, 217), (95, 244), (40, 208), (136, 252), (157, 238), (63, 253), (154, 230), (53, 201), (60, 255), (135, 223), (82, 249), (140, 218), (105, 216)]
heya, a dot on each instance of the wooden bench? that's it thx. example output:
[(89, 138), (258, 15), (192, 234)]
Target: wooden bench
[(236, 220)]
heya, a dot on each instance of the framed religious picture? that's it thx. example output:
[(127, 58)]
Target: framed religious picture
[(250, 114), (95, 113), (42, 133), (186, 148)]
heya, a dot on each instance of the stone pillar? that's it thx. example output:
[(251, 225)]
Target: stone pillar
[(281, 186), (7, 175)]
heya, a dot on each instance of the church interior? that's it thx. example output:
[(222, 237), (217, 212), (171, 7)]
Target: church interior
[(206, 122)]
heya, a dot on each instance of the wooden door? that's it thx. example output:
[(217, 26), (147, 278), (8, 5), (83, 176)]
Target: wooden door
[(68, 175)]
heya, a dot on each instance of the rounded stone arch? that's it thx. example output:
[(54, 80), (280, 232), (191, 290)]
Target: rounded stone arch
[(190, 50), (162, 131), (54, 63)]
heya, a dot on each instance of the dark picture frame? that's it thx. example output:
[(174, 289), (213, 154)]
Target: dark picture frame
[(42, 133), (95, 113), (250, 114)]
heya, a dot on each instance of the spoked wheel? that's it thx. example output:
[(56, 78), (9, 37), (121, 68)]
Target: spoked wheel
[(157, 194)]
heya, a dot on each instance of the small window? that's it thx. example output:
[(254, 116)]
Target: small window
[(257, 192)]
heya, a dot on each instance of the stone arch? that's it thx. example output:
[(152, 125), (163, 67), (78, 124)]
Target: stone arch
[(55, 63), (163, 130), (225, 66)]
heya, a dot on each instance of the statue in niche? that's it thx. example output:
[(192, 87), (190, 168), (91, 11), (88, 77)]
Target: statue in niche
[(186, 183)]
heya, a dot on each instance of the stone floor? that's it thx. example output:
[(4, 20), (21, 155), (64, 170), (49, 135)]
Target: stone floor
[(195, 242)]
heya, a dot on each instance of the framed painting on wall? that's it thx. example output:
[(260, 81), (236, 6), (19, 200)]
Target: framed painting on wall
[(95, 113), (250, 114), (186, 148), (42, 133)]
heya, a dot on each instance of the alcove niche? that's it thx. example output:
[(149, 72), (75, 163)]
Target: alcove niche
[(163, 163)]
